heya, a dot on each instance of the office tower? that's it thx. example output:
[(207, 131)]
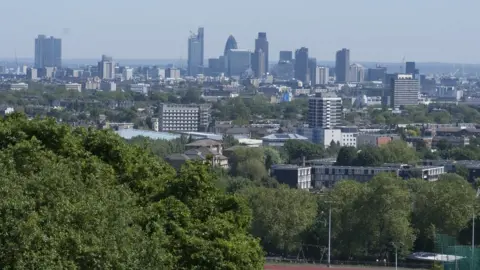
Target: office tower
[(286, 56), (376, 74), (106, 68), (201, 37), (356, 73), (183, 117), (260, 66), (301, 65), (48, 52), (238, 61), (231, 44), (324, 111), (410, 68), (258, 63), (32, 74), (404, 90), (216, 66), (195, 53), (342, 65), (321, 75), (312, 68)]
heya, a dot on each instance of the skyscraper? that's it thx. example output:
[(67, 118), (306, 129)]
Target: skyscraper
[(312, 68), (231, 44), (324, 111), (410, 68), (260, 66), (238, 61), (356, 73), (301, 65), (342, 66), (106, 68), (195, 53), (404, 90), (48, 52), (286, 56)]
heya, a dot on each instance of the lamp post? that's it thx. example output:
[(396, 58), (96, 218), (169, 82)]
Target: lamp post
[(396, 253), (329, 232), (473, 230)]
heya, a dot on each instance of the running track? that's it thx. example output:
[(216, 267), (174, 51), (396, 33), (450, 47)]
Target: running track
[(294, 267)]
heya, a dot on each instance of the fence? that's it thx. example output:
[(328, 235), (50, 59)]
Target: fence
[(350, 264), (465, 258)]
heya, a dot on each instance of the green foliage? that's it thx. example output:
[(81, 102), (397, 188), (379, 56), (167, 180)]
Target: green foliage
[(280, 216), (84, 199), (160, 148), (396, 151), (295, 150)]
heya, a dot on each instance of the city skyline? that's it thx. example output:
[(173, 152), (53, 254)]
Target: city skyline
[(419, 30)]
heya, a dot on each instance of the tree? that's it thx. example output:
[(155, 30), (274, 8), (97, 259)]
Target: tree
[(280, 216), (295, 150), (272, 157), (229, 141), (346, 156), (78, 198)]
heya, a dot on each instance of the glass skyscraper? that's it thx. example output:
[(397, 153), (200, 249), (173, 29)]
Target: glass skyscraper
[(195, 52)]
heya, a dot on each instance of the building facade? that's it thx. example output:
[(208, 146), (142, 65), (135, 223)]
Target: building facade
[(324, 110), (302, 72), (182, 117), (238, 61), (321, 75), (404, 90), (299, 177), (342, 66), (106, 68), (48, 52), (260, 67), (195, 53)]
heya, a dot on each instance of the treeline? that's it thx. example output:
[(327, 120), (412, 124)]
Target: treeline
[(367, 219)]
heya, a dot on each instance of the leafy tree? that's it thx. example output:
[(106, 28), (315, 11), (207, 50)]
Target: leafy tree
[(78, 198), (272, 156), (346, 156), (229, 141), (295, 150), (280, 216)]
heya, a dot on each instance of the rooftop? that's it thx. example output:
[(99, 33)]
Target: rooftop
[(131, 133)]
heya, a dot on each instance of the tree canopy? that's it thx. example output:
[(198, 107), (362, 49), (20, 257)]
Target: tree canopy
[(84, 199)]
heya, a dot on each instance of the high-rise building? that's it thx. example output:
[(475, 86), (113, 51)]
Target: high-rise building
[(48, 52), (260, 66), (231, 44), (238, 61), (410, 68), (376, 74), (301, 65), (321, 75), (258, 63), (286, 56), (195, 53), (106, 68), (404, 90), (356, 73), (312, 68), (342, 66), (324, 111)]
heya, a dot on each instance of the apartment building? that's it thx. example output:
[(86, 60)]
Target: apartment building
[(292, 175), (181, 117), (326, 176)]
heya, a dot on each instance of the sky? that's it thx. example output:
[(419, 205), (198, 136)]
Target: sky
[(373, 30)]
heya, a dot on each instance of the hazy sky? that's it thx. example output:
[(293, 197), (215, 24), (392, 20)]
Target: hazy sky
[(374, 30)]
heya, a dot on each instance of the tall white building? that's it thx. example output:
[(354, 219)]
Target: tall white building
[(106, 68), (238, 62), (321, 75), (127, 73), (356, 73), (324, 110)]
